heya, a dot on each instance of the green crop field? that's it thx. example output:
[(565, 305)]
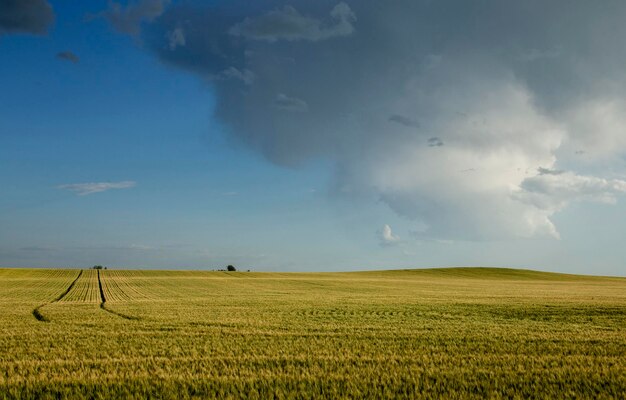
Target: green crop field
[(441, 333)]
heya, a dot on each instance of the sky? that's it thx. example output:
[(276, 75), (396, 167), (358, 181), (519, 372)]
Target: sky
[(313, 136)]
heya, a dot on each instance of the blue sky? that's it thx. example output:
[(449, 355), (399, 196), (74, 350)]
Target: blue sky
[(210, 134)]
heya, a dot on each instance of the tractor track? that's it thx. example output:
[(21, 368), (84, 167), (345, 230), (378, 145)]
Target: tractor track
[(104, 300), (37, 310)]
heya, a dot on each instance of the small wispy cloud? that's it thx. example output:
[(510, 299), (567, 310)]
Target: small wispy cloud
[(176, 38), (292, 104), (435, 142), (140, 247), (386, 236), (83, 189), (244, 75), (68, 56), (39, 248), (403, 120), (540, 54), (548, 171)]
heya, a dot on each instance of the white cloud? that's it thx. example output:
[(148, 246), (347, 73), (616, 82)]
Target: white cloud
[(553, 191), (83, 189), (596, 128), (386, 236), (498, 139)]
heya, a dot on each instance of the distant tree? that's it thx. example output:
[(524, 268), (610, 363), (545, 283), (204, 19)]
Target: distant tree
[(97, 267), (231, 268)]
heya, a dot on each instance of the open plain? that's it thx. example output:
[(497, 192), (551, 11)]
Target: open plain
[(435, 333)]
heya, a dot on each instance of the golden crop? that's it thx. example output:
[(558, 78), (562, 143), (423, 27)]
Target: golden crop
[(443, 333)]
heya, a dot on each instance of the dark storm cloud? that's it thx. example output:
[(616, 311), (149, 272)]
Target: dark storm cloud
[(68, 56), (25, 16), (512, 86)]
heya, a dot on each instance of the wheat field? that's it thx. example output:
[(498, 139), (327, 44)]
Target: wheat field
[(436, 333)]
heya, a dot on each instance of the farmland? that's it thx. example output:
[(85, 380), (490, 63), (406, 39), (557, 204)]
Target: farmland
[(457, 333)]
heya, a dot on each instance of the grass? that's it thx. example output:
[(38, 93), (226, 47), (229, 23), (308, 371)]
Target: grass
[(440, 333)]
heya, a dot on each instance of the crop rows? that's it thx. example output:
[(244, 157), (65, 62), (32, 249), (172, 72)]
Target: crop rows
[(34, 285), (119, 286), (37, 310), (85, 290)]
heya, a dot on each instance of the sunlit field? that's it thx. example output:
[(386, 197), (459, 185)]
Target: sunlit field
[(452, 333)]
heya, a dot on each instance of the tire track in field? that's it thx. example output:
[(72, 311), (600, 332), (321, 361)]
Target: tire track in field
[(37, 310), (104, 300)]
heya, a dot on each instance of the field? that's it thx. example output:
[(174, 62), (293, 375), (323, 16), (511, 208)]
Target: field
[(440, 333)]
